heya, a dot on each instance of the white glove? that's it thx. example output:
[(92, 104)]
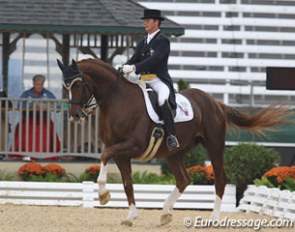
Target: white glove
[(128, 69), (117, 66)]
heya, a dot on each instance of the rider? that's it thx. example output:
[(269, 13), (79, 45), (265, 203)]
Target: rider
[(150, 61)]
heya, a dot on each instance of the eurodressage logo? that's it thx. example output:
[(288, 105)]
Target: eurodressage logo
[(256, 224)]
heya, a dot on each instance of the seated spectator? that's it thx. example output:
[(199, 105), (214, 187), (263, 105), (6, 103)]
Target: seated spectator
[(36, 128)]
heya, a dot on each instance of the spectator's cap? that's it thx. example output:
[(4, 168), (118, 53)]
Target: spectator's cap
[(39, 77), (152, 14)]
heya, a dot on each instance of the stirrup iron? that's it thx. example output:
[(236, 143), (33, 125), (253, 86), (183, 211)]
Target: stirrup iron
[(172, 142)]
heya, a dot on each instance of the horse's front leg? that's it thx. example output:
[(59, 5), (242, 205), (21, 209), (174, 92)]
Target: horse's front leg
[(124, 165), (103, 193)]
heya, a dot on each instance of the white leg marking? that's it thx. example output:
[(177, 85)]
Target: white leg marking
[(132, 214), (102, 179), (170, 201), (216, 210)]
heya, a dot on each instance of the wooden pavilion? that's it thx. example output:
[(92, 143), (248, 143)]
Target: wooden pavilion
[(103, 24)]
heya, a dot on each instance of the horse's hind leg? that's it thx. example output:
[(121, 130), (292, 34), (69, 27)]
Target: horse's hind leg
[(124, 165), (176, 166), (216, 155)]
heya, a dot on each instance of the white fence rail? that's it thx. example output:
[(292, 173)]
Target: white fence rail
[(269, 201), (86, 194), (228, 45)]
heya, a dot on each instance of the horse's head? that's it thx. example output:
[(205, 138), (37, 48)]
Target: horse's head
[(81, 99)]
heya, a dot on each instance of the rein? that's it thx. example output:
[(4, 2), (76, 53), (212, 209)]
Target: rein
[(110, 90)]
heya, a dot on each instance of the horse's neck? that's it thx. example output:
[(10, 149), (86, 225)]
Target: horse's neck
[(115, 91)]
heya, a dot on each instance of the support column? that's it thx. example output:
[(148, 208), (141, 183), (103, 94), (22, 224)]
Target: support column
[(65, 49), (5, 58), (104, 48)]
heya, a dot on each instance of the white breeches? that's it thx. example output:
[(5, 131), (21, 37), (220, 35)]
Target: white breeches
[(161, 89)]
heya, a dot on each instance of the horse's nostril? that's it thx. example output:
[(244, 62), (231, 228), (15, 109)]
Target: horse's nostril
[(76, 116)]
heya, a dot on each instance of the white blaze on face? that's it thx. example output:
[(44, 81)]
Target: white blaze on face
[(70, 98), (70, 95)]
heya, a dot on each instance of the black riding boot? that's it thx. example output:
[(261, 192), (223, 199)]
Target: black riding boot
[(167, 116)]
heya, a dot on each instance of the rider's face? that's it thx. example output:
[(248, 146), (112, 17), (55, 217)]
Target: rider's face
[(151, 25)]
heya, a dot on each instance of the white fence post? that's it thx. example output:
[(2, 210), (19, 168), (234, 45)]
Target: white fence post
[(88, 194), (269, 201)]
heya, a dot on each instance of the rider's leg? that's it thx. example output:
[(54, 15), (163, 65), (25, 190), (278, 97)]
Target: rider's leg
[(167, 116), (163, 95)]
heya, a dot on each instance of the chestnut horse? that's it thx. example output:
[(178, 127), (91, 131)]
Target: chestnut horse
[(125, 128)]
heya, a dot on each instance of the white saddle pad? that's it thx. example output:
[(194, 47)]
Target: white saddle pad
[(184, 111)]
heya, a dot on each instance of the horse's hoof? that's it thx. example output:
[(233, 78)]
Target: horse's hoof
[(165, 219), (126, 223), (103, 199)]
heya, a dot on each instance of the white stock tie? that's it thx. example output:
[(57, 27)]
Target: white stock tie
[(148, 39)]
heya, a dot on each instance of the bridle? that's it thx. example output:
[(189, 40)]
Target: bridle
[(87, 106)]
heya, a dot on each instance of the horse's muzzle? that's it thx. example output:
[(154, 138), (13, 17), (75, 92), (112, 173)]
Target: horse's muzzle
[(76, 116)]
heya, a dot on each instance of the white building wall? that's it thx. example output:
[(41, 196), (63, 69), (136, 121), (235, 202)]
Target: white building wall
[(228, 44)]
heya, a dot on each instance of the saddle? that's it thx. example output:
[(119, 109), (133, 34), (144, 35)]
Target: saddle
[(183, 112)]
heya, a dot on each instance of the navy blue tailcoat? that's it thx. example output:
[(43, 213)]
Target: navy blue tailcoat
[(152, 58)]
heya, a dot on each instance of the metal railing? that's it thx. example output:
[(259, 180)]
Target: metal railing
[(41, 129)]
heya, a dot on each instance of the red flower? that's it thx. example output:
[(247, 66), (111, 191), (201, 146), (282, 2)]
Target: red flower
[(281, 173), (195, 169), (54, 169), (30, 169), (210, 173), (93, 169)]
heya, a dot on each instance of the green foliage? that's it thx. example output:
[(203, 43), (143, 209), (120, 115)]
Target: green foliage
[(4, 176), (246, 162), (199, 177), (263, 182), (87, 177), (70, 177), (196, 156), (182, 85), (289, 184), (48, 177), (152, 178)]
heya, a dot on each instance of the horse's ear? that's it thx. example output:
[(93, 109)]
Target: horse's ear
[(74, 64), (60, 65)]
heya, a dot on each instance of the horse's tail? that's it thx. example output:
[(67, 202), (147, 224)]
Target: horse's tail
[(267, 118)]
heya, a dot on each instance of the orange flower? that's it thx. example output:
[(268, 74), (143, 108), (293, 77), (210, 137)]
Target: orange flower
[(93, 169), (210, 173), (54, 169), (281, 173), (195, 169), (30, 169)]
